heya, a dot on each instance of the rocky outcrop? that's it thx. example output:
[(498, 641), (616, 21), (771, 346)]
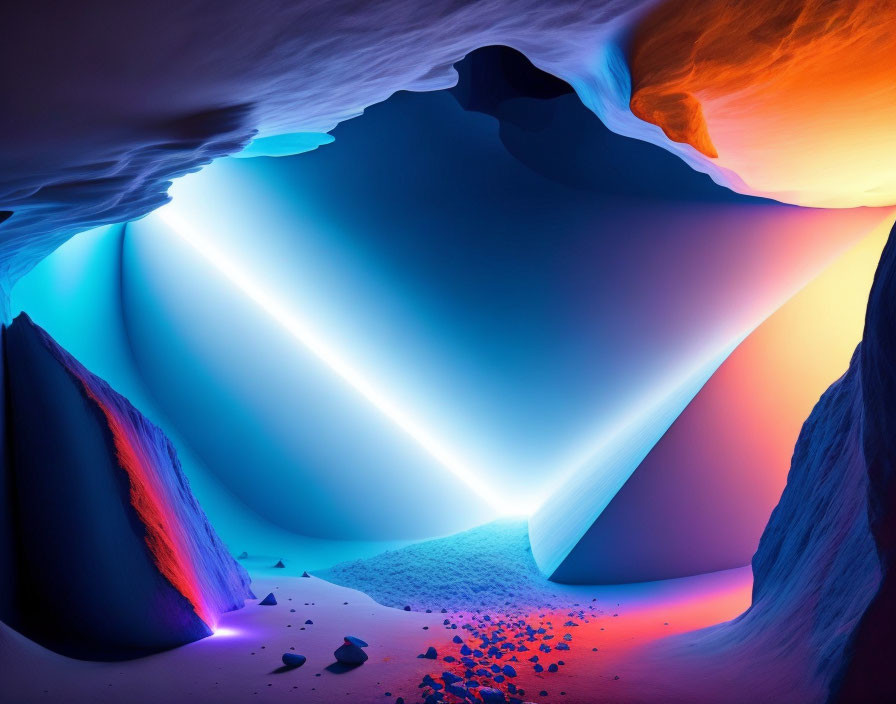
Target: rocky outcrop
[(113, 557), (824, 595), (867, 672)]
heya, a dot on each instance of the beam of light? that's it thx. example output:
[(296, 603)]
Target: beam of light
[(309, 338)]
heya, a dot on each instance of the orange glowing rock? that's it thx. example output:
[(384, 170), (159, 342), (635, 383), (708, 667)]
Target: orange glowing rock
[(798, 98)]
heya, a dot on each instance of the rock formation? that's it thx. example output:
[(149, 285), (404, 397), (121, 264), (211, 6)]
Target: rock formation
[(823, 596), (113, 557)]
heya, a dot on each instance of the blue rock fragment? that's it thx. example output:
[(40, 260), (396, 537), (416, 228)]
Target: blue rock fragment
[(350, 654), (354, 640), (269, 600), (492, 696), (458, 690), (293, 659)]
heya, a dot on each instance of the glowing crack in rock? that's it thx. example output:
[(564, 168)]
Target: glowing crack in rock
[(170, 545), (335, 362)]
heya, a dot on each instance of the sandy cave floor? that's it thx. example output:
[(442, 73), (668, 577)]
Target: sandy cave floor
[(241, 663)]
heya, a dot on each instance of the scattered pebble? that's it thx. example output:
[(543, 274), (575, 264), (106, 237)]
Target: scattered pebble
[(293, 659)]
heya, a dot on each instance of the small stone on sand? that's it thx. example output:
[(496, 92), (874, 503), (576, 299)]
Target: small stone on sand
[(350, 654), (293, 659)]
